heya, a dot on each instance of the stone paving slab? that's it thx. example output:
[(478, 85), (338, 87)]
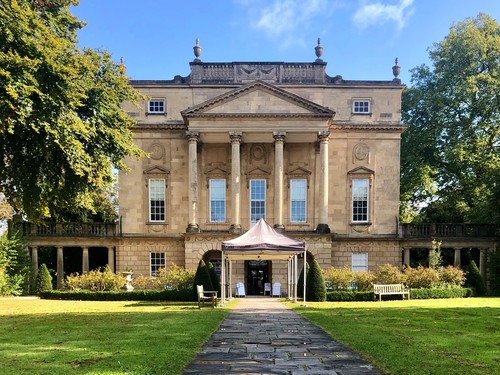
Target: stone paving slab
[(263, 336)]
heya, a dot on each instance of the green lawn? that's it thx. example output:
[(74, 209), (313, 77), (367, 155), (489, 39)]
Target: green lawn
[(447, 336), (77, 337)]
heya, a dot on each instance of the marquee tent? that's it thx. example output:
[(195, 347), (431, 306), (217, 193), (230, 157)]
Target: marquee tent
[(262, 242)]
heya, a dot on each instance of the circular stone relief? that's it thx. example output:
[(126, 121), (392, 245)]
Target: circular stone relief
[(157, 151), (361, 151)]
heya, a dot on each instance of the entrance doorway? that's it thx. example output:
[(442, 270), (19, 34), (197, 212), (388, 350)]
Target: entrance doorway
[(257, 274)]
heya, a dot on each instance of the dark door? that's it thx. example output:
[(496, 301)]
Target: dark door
[(257, 275)]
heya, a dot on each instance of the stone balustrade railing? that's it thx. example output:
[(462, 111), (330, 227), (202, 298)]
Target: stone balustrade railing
[(437, 230)]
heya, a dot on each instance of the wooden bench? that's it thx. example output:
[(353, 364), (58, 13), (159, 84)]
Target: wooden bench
[(206, 296), (387, 289)]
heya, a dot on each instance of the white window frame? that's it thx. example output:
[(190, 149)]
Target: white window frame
[(156, 262), (355, 211), (253, 182), (154, 104), (294, 190), (161, 193), (361, 106), (212, 183), (359, 262)]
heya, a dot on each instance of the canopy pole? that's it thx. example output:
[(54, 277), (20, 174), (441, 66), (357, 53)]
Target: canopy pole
[(296, 278), (288, 278), (223, 280), (305, 275), (230, 278)]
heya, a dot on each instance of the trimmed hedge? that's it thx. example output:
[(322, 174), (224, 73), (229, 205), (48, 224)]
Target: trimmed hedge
[(420, 293), (135, 295), (430, 293), (349, 296)]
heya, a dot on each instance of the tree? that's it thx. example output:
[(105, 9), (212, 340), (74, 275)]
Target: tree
[(62, 128), (315, 284), (451, 150), (15, 269), (213, 277), (473, 279), (43, 281), (202, 277)]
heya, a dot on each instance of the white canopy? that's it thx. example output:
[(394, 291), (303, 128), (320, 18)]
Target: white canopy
[(264, 243)]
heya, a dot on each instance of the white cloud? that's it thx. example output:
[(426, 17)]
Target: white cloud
[(378, 13), (282, 17)]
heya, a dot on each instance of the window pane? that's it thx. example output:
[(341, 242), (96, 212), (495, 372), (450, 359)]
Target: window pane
[(157, 261), (360, 200), (298, 192), (257, 200), (157, 200), (218, 200), (156, 105), (360, 262)]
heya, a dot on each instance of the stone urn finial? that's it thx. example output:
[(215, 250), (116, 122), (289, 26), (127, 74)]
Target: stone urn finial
[(197, 50), (319, 51), (396, 69)]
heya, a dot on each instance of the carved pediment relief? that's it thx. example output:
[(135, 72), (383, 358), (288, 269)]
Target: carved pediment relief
[(258, 99), (360, 170)]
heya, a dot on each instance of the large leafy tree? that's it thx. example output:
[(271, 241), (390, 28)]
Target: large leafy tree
[(62, 128), (450, 151)]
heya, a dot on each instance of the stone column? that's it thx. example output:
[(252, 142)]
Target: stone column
[(85, 259), (323, 183), (279, 138), (235, 182), (34, 258), (406, 256), (457, 258), (60, 267), (111, 259), (482, 263), (193, 226)]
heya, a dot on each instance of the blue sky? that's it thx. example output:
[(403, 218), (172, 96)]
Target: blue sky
[(361, 38)]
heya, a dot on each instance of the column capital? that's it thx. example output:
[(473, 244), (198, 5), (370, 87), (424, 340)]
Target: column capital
[(235, 137), (279, 136), (323, 136), (192, 136)]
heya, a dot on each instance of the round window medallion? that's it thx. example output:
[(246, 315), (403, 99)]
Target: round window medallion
[(361, 151)]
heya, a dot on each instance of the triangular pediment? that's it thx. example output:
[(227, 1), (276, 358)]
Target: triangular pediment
[(298, 172), (360, 170), (156, 169), (258, 99), (216, 171)]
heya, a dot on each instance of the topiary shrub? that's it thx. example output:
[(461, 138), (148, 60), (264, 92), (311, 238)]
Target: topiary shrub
[(43, 281), (300, 282), (315, 284), (213, 277), (202, 277), (473, 279)]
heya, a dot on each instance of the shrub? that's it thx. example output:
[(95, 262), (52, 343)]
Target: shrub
[(389, 274), (315, 284), (95, 280), (43, 281), (15, 268), (202, 277), (176, 278), (349, 295), (474, 279), (338, 278), (430, 293), (135, 295), (451, 276), (213, 277), (363, 280), (143, 282), (421, 277)]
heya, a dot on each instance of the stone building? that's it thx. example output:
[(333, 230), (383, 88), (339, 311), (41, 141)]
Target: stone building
[(316, 156)]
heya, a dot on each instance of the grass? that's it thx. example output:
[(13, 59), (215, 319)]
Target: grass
[(447, 336), (79, 337)]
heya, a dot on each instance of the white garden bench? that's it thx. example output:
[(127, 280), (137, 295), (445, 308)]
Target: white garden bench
[(387, 289), (206, 296)]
